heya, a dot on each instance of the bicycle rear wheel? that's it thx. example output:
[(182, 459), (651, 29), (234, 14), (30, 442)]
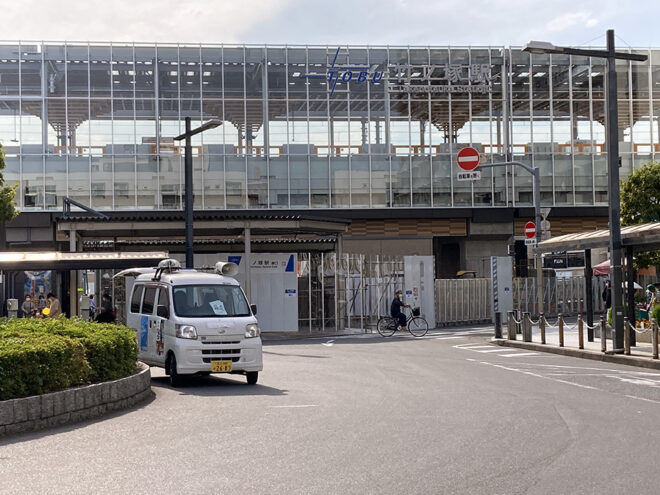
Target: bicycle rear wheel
[(418, 326), (386, 326)]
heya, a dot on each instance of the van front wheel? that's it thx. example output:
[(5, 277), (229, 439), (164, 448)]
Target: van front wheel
[(252, 377), (175, 378)]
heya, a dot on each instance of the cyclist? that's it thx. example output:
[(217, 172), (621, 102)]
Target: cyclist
[(395, 309)]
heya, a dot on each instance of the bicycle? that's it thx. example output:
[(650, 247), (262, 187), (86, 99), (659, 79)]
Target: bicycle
[(417, 325)]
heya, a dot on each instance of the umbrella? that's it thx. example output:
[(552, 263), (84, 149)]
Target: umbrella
[(635, 285), (602, 268)]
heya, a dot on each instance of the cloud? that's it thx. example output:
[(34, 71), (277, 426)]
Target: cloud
[(569, 20)]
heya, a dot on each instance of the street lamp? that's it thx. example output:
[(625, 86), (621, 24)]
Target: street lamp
[(612, 162), (188, 181)]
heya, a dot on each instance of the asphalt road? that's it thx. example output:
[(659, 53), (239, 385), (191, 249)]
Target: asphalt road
[(449, 413)]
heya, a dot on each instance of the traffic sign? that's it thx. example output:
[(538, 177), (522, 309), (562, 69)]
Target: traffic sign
[(530, 242), (530, 230), (468, 159), (469, 175)]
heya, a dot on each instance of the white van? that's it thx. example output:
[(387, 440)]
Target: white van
[(191, 321)]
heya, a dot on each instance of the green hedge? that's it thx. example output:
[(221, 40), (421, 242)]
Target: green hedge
[(106, 352)]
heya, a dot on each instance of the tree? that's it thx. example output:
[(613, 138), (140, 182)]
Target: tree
[(8, 210), (640, 203)]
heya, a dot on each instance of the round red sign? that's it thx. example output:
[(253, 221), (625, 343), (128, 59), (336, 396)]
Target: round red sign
[(468, 159), (530, 230)]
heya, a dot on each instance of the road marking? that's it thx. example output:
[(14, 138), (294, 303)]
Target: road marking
[(517, 354), (472, 347), (447, 338), (329, 343), (516, 370), (642, 398), (294, 406)]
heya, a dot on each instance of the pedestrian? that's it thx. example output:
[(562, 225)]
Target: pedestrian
[(107, 313), (607, 294), (54, 307), (28, 306), (650, 299), (41, 303), (92, 307)]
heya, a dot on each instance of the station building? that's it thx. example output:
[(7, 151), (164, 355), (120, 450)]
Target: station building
[(320, 148)]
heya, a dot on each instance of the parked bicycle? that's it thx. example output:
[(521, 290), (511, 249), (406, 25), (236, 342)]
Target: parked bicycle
[(417, 325)]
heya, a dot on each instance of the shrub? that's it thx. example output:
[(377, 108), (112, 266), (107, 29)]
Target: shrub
[(34, 363), (109, 351), (656, 313)]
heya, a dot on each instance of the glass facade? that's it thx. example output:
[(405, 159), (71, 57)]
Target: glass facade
[(313, 127)]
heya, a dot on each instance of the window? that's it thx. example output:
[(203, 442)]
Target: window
[(148, 302), (163, 299), (210, 301), (135, 300)]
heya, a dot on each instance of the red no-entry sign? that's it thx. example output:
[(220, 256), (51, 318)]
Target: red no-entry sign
[(468, 159), (530, 230)]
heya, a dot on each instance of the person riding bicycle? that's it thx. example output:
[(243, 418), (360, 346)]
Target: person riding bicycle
[(395, 309)]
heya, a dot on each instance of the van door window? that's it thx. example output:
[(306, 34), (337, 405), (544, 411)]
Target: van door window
[(137, 297), (163, 298), (148, 301)]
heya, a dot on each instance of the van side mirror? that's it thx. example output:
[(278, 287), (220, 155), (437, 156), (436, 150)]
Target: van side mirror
[(162, 311), (253, 307)]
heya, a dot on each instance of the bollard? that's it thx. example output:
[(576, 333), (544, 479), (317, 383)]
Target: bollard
[(580, 332), (526, 327), (542, 327), (654, 337), (561, 330), (498, 325), (626, 337), (519, 318), (511, 329), (603, 330)]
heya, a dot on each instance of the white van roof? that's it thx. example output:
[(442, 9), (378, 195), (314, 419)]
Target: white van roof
[(188, 277)]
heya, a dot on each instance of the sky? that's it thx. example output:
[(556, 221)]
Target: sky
[(369, 22)]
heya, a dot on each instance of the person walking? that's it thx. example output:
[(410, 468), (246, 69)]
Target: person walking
[(607, 294), (92, 307)]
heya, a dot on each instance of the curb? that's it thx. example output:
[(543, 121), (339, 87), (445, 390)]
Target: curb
[(75, 404), (638, 361)]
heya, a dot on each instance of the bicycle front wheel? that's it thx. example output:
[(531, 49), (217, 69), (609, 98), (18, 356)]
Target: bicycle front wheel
[(386, 326), (418, 326)]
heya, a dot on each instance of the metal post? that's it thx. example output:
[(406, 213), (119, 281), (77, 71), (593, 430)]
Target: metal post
[(589, 277), (626, 337), (580, 332), (519, 321), (603, 330), (613, 193), (498, 325), (542, 327), (188, 205), (654, 337), (527, 327), (539, 237), (511, 326), (630, 296), (561, 330), (247, 241)]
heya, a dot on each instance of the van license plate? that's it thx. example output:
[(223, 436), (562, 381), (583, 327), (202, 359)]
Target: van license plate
[(220, 366)]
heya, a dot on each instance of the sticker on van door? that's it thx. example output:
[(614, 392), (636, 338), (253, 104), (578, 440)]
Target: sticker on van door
[(144, 332)]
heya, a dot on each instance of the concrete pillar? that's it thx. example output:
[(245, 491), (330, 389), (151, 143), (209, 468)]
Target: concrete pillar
[(248, 262), (73, 279)]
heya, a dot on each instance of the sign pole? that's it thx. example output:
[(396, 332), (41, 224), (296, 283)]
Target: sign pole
[(539, 230)]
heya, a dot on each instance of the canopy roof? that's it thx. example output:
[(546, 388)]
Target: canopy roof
[(644, 237)]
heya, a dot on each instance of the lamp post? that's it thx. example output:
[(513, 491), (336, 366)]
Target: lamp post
[(612, 162), (188, 182)]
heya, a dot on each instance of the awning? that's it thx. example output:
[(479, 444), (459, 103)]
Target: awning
[(55, 260), (602, 268), (643, 237)]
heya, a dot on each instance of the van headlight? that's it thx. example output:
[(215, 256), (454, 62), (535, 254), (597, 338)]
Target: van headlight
[(186, 332), (252, 330)]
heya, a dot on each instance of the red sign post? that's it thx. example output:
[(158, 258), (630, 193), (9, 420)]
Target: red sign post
[(530, 230), (468, 159)]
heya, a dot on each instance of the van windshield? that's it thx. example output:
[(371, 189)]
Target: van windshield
[(209, 301)]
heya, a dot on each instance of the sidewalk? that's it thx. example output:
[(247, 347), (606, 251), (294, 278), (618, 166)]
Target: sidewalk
[(640, 355)]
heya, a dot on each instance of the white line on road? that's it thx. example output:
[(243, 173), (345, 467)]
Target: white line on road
[(447, 338), (520, 354), (294, 406), (642, 398), (539, 376)]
